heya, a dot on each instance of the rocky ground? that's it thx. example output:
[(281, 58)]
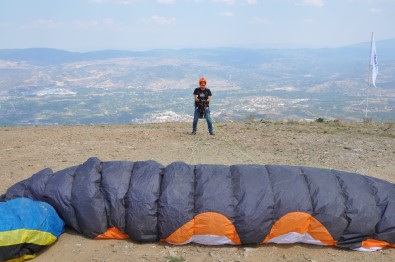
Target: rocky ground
[(365, 148)]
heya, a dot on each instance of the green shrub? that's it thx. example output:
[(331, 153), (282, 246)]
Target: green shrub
[(176, 259)]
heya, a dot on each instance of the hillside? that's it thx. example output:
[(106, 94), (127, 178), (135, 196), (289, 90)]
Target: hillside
[(365, 148), (42, 86)]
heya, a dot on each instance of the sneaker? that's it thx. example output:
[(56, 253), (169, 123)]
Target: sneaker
[(193, 133), (212, 134)]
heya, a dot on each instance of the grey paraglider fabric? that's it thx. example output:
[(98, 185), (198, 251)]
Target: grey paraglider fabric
[(218, 204)]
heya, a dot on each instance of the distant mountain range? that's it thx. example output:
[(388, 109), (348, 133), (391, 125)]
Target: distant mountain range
[(231, 56)]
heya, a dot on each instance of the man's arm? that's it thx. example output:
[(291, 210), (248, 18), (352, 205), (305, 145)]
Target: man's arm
[(209, 96)]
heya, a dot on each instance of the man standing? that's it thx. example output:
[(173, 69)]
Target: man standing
[(202, 110)]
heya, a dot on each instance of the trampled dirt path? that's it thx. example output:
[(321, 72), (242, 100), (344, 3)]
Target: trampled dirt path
[(368, 149)]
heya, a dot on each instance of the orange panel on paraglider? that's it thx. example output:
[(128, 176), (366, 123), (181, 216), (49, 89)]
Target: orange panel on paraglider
[(302, 224), (202, 227), (375, 244), (112, 233)]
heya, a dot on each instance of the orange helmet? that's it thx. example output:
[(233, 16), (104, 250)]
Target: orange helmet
[(202, 80)]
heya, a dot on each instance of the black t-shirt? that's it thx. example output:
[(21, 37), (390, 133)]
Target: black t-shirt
[(202, 94)]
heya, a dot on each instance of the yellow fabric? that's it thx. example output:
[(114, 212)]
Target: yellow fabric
[(22, 258), (21, 236)]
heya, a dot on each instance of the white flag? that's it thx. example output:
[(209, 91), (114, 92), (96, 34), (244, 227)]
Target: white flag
[(373, 62)]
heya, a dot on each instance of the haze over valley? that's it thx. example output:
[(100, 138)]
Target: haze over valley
[(51, 87)]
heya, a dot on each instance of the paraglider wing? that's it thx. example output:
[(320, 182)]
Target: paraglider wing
[(218, 204), (26, 227)]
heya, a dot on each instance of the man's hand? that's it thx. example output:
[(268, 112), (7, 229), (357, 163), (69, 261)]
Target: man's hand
[(202, 101)]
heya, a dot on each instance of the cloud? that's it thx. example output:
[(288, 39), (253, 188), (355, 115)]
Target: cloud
[(314, 3), (119, 2), (90, 24), (78, 23), (108, 22), (261, 21), (231, 2), (375, 10), (161, 20), (226, 13), (228, 2), (85, 24), (166, 2), (42, 23), (124, 2)]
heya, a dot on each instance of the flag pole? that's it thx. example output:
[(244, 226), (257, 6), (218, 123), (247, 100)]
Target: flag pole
[(370, 69)]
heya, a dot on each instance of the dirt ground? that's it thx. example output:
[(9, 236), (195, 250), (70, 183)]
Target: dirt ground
[(365, 148)]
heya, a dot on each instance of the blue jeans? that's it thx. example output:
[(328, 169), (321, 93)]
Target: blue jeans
[(208, 119)]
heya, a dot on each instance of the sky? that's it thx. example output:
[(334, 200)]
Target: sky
[(89, 25)]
